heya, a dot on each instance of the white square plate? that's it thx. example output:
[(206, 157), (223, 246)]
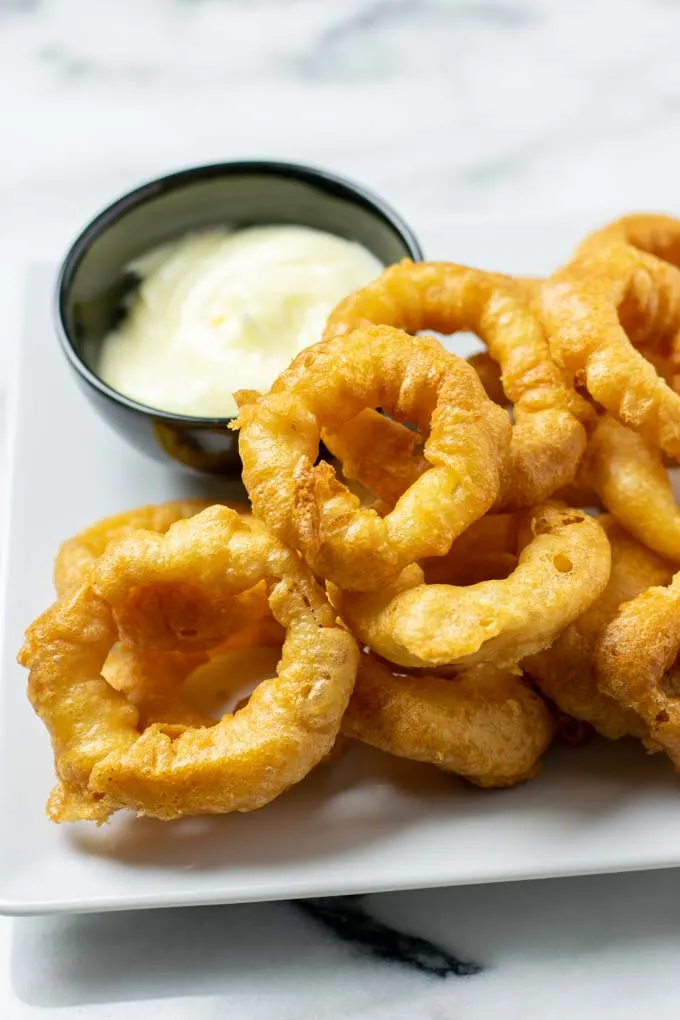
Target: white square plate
[(369, 823)]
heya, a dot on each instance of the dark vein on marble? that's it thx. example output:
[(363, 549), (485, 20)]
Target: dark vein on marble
[(352, 923)]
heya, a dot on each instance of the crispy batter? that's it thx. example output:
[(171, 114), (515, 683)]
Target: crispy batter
[(548, 438), (577, 394), (657, 235), (413, 379), (628, 475), (486, 725), (653, 233), (159, 609), (77, 555), (594, 310), (565, 672), (386, 457), (105, 760), (636, 662), (560, 573)]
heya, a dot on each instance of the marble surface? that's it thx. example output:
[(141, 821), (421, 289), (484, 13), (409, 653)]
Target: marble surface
[(448, 108)]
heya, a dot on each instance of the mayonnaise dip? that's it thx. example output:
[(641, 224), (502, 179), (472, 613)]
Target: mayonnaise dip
[(218, 311)]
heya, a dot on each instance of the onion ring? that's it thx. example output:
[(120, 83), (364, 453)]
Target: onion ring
[(153, 680), (486, 725), (628, 475), (76, 556), (384, 456), (652, 233), (636, 662), (548, 438), (592, 310), (413, 379), (560, 572), (156, 610), (105, 762), (565, 672)]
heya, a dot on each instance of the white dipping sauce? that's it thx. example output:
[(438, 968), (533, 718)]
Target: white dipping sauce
[(218, 311)]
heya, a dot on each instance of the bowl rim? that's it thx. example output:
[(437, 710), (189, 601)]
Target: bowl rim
[(323, 179)]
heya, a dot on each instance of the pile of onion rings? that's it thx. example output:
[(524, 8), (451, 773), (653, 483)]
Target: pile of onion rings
[(492, 552)]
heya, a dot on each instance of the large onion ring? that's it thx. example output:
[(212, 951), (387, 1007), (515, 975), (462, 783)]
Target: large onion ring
[(592, 310), (565, 672), (636, 662), (104, 761), (560, 572), (548, 438), (414, 380)]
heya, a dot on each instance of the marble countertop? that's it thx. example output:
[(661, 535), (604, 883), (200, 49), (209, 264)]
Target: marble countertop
[(447, 108)]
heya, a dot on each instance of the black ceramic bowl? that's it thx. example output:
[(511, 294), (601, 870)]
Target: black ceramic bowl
[(93, 282)]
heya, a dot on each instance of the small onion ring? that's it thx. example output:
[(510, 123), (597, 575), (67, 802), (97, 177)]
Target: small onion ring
[(593, 311), (636, 662), (565, 672), (105, 762), (412, 379), (560, 572), (548, 438), (486, 725)]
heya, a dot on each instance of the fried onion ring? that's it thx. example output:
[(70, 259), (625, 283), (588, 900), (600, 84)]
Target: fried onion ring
[(486, 725), (386, 457), (76, 556), (548, 438), (628, 475), (565, 672), (106, 761), (636, 662), (560, 572), (652, 233), (327, 385), (594, 311), (156, 609)]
